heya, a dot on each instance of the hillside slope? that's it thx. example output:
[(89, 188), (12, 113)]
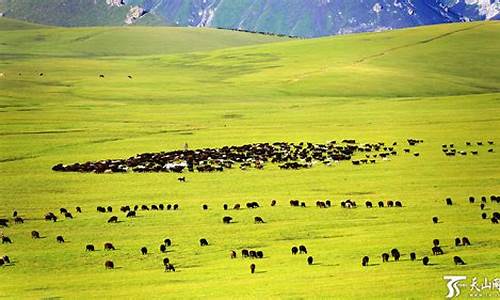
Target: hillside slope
[(306, 18), (122, 41)]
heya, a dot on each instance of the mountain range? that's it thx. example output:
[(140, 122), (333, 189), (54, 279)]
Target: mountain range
[(303, 18)]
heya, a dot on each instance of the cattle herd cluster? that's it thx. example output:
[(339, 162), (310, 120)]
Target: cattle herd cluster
[(131, 211), (450, 150), (286, 155)]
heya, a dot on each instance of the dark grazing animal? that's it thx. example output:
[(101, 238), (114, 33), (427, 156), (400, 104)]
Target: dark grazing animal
[(233, 254), (302, 249), (78, 209), (227, 220), (4, 223), (494, 220), (60, 239), (398, 204), (449, 201), (169, 267), (458, 242), (436, 250), (161, 207), (252, 268), (368, 204), (205, 207), (167, 242), (163, 248), (154, 207), (471, 199), (328, 203), (310, 260), (244, 253), (6, 240), (482, 206), (425, 260), (302, 204), (295, 250), (109, 246), (101, 209), (364, 261), (435, 242), (19, 220), (6, 259), (176, 207), (2, 262), (35, 234), (484, 216), (294, 202), (101, 76), (113, 219), (413, 256), (203, 242), (458, 260), (381, 204), (225, 206), (14, 214), (258, 220), (63, 210), (273, 202), (131, 214), (68, 215), (182, 179), (252, 254), (385, 257), (89, 247), (144, 250), (144, 207), (259, 254), (395, 253), (465, 241), (237, 206), (435, 220), (109, 265), (166, 261), (390, 203)]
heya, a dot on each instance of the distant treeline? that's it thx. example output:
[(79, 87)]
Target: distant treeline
[(261, 32)]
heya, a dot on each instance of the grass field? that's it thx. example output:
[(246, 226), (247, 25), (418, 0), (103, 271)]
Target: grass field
[(208, 89)]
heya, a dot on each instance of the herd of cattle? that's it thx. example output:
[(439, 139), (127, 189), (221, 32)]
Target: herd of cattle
[(131, 211), (450, 150), (287, 155)]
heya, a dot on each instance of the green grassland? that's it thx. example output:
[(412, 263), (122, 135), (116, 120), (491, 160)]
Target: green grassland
[(209, 88)]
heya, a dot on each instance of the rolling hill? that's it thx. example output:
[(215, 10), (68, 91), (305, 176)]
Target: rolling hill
[(212, 88)]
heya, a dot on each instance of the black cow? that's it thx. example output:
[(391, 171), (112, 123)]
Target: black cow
[(435, 220), (203, 242), (398, 204), (295, 250), (458, 260), (237, 206), (35, 234), (6, 259), (273, 202), (465, 241), (60, 239), (109, 246), (6, 240), (113, 219), (227, 220), (390, 203), (101, 209), (163, 248), (364, 261), (154, 207), (435, 242), (68, 215), (205, 207), (252, 254), (63, 210), (109, 264), (225, 206), (413, 256), (78, 209), (144, 250), (167, 242), (458, 242), (176, 206), (310, 260), (233, 254), (449, 201), (131, 214), (14, 214), (385, 257), (89, 247), (259, 254), (1, 262), (302, 204), (169, 267), (395, 253), (144, 207), (471, 199), (328, 203), (182, 179), (244, 253), (483, 206), (258, 220), (436, 250), (302, 249), (166, 261), (381, 204), (252, 268), (19, 220), (161, 207), (494, 220), (101, 76), (425, 260), (484, 216), (368, 204)]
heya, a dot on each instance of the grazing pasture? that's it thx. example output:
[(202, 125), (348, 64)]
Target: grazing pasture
[(439, 84)]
